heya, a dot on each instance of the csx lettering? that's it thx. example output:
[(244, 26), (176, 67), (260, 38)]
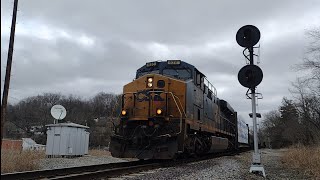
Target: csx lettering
[(145, 96)]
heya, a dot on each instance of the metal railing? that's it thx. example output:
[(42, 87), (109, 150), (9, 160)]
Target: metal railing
[(176, 100)]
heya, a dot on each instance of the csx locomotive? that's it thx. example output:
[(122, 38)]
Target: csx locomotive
[(171, 110)]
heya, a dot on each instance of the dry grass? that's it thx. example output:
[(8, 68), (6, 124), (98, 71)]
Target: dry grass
[(306, 159), (99, 152), (14, 160)]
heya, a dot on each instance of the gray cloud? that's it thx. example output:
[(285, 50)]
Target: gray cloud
[(83, 47)]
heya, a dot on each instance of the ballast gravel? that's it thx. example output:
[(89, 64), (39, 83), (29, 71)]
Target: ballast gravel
[(228, 167), (57, 163)]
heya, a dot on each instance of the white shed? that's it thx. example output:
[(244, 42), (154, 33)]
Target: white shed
[(66, 140)]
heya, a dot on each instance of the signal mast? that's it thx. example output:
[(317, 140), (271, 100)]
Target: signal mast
[(250, 76)]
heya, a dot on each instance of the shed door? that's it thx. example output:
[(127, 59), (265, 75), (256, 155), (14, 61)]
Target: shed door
[(56, 140), (49, 145)]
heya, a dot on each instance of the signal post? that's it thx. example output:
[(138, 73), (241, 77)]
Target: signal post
[(250, 76)]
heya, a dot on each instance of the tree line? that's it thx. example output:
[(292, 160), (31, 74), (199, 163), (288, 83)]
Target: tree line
[(98, 113), (297, 121)]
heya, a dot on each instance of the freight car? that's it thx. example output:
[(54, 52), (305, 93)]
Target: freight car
[(243, 134), (172, 110)]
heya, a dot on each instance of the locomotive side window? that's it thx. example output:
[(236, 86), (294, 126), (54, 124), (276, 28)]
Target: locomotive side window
[(198, 79), (206, 89), (210, 94), (202, 83)]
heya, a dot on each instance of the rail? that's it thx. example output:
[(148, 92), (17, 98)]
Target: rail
[(54, 173)]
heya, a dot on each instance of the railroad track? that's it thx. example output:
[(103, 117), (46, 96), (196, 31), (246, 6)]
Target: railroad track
[(105, 170), (80, 171)]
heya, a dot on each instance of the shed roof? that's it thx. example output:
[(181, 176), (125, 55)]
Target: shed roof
[(67, 125)]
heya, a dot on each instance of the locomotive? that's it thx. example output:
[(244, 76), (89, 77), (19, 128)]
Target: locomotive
[(172, 110)]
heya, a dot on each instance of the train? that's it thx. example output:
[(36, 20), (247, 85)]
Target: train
[(171, 110)]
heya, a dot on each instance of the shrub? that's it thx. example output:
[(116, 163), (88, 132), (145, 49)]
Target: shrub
[(304, 158), (15, 161)]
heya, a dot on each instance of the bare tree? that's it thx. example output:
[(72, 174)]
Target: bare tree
[(306, 89), (311, 63), (98, 113)]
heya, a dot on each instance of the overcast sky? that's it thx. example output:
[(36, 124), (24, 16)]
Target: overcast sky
[(85, 47)]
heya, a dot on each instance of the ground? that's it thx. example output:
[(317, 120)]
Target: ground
[(228, 167)]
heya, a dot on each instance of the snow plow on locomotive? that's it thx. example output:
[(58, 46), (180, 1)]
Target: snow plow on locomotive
[(169, 110)]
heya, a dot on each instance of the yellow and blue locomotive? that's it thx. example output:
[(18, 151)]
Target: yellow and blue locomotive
[(171, 109)]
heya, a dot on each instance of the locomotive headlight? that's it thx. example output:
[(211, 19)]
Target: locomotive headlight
[(159, 111), (123, 112), (149, 84), (150, 80)]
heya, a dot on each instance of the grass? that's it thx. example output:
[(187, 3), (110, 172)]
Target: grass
[(99, 152), (304, 158), (15, 161)]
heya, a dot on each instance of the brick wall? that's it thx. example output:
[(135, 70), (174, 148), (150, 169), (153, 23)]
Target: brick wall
[(12, 144)]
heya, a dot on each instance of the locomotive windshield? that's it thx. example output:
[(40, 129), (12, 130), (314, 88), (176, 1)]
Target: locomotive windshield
[(181, 71), (148, 72), (178, 73)]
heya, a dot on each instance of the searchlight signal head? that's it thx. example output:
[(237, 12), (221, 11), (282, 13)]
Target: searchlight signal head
[(250, 76), (248, 36)]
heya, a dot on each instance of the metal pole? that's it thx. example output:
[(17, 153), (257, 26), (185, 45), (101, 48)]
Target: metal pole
[(254, 117), (8, 68), (256, 159)]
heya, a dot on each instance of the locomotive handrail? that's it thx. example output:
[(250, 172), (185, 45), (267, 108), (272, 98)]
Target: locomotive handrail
[(210, 86), (227, 120), (174, 98)]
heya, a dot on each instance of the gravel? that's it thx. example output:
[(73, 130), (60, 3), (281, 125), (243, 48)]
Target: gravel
[(228, 167), (56, 163), (208, 169)]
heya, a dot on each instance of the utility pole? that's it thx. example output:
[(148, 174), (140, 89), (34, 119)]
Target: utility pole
[(8, 69)]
